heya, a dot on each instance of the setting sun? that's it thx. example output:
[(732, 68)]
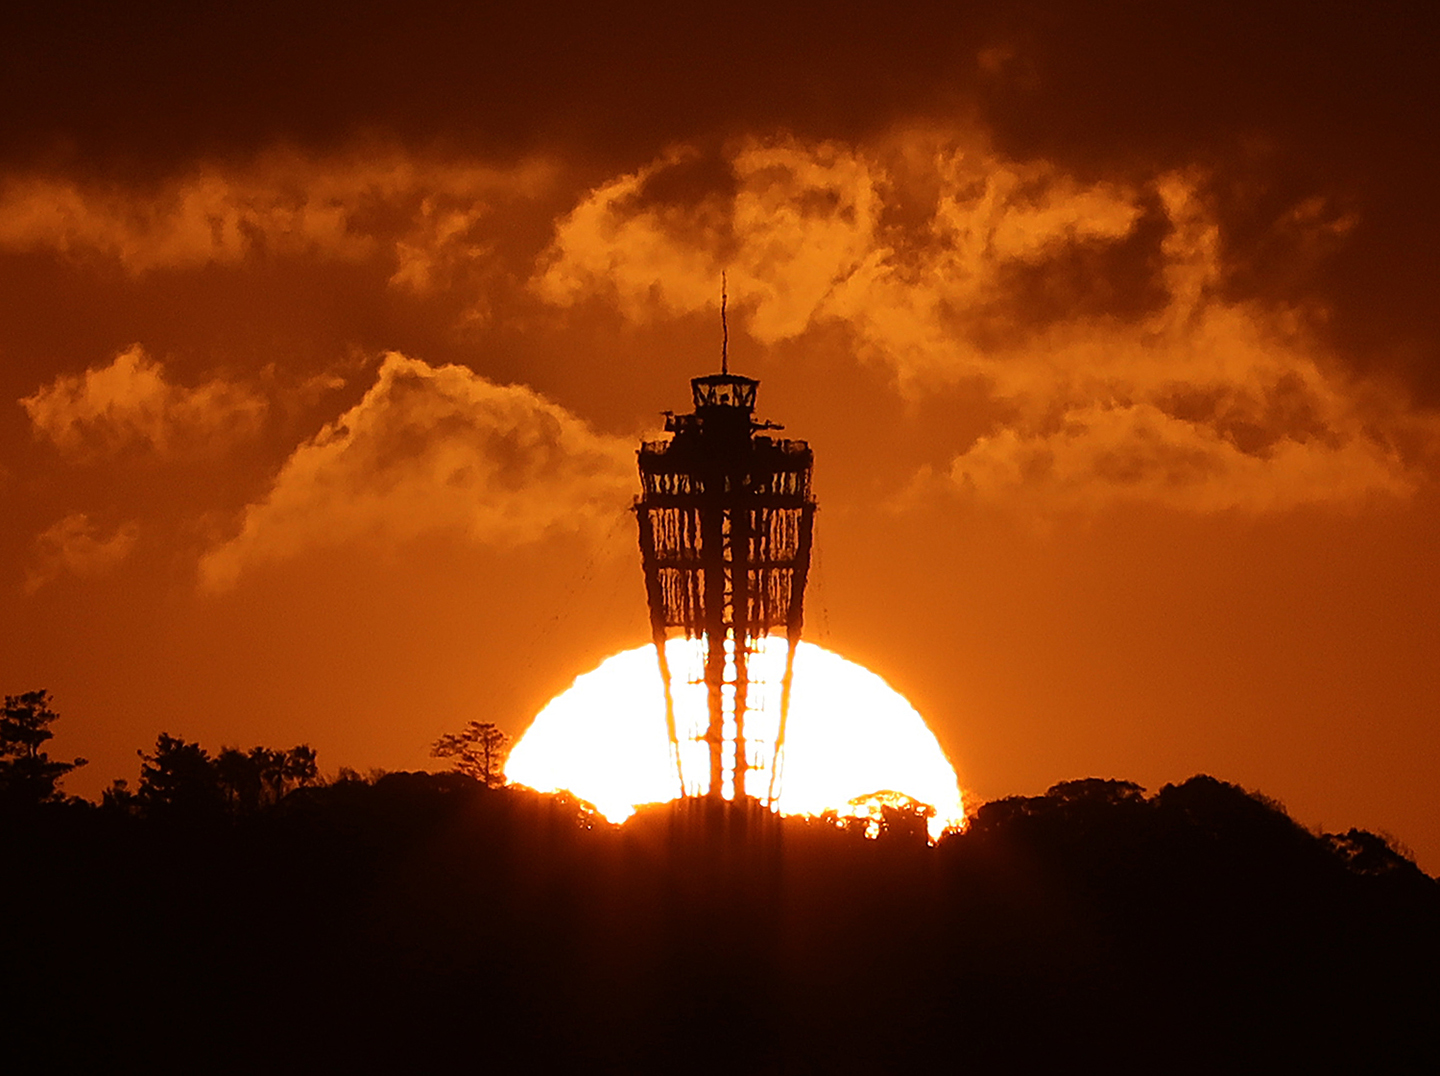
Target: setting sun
[(849, 734)]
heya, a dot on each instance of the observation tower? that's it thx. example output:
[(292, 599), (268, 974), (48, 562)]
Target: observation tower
[(726, 520)]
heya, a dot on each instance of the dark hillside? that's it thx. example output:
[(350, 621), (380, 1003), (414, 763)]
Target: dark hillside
[(421, 922)]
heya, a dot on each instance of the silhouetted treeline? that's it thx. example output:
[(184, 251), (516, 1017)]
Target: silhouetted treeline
[(182, 781), (421, 923)]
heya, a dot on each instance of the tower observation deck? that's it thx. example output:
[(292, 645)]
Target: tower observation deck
[(726, 520)]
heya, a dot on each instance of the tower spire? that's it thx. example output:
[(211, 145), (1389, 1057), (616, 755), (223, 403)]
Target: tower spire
[(724, 328)]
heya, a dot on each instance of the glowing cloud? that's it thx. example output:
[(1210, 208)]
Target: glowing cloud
[(905, 240), (1093, 313), (421, 212), (75, 546), (131, 402), (432, 449), (1138, 452), (800, 218)]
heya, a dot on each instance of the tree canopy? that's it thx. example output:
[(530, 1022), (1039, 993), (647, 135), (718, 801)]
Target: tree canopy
[(479, 751), (28, 775)]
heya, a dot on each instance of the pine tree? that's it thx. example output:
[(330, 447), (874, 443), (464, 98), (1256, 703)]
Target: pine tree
[(27, 774), (479, 751)]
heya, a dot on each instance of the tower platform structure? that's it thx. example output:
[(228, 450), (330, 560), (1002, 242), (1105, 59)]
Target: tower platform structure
[(726, 518)]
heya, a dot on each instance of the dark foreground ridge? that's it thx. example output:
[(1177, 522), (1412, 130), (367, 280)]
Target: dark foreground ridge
[(419, 922)]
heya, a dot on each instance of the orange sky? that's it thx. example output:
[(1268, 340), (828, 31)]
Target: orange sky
[(329, 339)]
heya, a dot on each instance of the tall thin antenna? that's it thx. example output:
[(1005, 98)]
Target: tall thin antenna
[(724, 329)]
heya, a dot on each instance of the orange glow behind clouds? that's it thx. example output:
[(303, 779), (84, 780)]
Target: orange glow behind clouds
[(849, 734)]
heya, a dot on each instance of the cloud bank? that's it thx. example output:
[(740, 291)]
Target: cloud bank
[(1095, 314), (434, 449), (428, 215), (1095, 317)]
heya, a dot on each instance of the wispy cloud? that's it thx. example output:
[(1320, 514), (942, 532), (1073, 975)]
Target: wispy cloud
[(130, 402), (423, 214), (434, 449), (75, 546)]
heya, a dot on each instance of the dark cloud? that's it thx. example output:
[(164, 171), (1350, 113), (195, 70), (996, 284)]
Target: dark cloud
[(1100, 80), (1279, 102), (1119, 278), (160, 80)]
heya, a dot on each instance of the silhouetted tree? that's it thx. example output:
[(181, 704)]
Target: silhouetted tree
[(1074, 807), (118, 797), (1095, 793), (478, 751), (1370, 853), (891, 816), (299, 768), (183, 778), (27, 774), (263, 776), (179, 778), (239, 776)]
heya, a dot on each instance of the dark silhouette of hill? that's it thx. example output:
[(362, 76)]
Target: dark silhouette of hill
[(424, 922)]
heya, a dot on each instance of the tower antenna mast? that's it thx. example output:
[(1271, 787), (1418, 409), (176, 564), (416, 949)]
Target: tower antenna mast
[(724, 328)]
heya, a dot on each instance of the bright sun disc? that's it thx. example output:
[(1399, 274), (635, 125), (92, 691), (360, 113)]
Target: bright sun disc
[(849, 734)]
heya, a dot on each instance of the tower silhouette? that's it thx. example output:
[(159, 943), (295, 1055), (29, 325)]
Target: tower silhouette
[(726, 521)]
